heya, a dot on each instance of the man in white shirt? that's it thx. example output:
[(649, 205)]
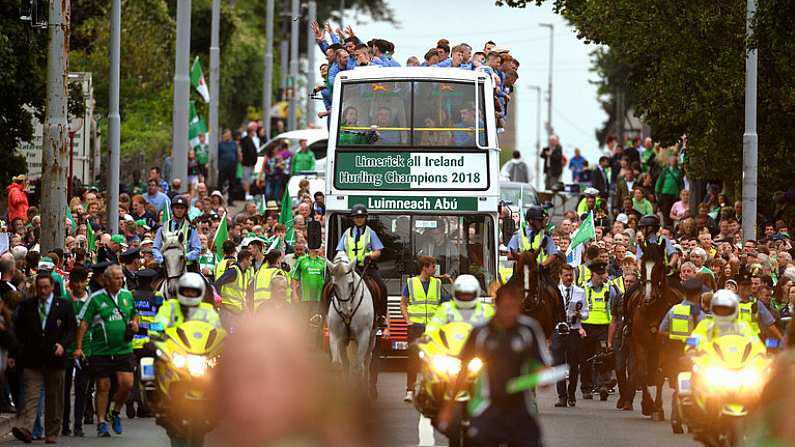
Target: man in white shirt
[(566, 346)]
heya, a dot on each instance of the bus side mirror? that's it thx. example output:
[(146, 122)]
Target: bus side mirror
[(313, 233), (508, 228)]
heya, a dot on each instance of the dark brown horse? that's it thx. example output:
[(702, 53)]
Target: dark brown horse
[(542, 300), (646, 306)]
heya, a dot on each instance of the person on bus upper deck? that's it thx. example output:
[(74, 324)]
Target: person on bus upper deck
[(343, 61), (467, 137), (383, 50), (365, 59), (456, 59), (383, 118), (535, 237), (431, 58)]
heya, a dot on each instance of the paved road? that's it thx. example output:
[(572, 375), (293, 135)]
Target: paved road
[(591, 423)]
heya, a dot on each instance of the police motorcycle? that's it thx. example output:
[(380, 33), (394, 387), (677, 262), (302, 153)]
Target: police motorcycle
[(176, 380), (727, 377)]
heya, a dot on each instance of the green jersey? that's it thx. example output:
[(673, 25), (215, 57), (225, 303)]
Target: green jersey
[(303, 161), (202, 152), (311, 274), (207, 261), (78, 305), (106, 325)]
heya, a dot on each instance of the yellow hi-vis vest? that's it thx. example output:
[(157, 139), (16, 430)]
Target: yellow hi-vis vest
[(583, 275), (233, 294), (747, 314), (681, 322), (354, 250), (618, 283), (598, 305), (221, 267), (170, 314), (262, 285), (422, 305), (535, 245), (505, 273)]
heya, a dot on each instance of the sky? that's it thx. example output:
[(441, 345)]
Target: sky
[(576, 111)]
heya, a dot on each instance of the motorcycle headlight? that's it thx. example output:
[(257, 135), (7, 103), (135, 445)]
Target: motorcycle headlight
[(475, 365), (197, 365), (179, 361), (444, 364), (726, 379)]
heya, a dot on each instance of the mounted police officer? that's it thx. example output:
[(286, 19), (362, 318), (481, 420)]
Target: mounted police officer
[(363, 247), (179, 223), (534, 238), (649, 226)]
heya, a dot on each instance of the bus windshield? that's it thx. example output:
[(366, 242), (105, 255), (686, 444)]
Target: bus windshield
[(460, 244), (411, 114)]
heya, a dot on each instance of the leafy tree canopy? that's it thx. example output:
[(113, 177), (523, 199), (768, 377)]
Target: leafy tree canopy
[(682, 64)]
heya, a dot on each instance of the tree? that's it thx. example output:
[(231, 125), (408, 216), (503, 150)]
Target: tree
[(687, 75), (23, 74)]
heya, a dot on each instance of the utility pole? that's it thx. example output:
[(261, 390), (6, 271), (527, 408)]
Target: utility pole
[(750, 137), (267, 88), (179, 126), (114, 119), (342, 14), (538, 90), (55, 147), (215, 62), (292, 121), (550, 129), (310, 54)]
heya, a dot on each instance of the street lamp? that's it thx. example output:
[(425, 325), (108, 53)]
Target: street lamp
[(551, 27), (537, 88)]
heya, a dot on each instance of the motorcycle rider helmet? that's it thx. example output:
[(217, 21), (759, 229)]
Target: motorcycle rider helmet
[(466, 291), (535, 212), (725, 306), (358, 210), (592, 192), (190, 289)]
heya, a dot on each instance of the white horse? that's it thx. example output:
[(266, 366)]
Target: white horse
[(173, 250), (350, 318)]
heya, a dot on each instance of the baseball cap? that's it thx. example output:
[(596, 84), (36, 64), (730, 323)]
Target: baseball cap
[(119, 239), (623, 218), (217, 193), (128, 217)]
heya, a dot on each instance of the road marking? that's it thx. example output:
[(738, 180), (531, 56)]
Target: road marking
[(425, 431)]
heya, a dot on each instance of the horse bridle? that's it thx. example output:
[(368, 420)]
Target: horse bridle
[(347, 319), (181, 257)]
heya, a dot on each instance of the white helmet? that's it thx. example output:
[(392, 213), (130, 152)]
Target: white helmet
[(466, 291), (190, 289), (724, 306)]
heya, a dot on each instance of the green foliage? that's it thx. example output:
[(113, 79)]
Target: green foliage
[(682, 67), (23, 74)]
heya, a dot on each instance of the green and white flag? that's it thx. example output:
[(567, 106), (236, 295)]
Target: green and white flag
[(221, 235), (286, 218), (197, 80), (91, 238), (71, 220), (166, 213), (585, 232), (196, 125)]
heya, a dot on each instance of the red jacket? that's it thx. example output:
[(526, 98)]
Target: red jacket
[(17, 202)]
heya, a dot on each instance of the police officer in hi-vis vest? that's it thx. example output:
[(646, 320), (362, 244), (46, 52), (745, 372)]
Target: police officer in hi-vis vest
[(534, 237), (599, 295), (675, 329), (421, 297), (363, 247)]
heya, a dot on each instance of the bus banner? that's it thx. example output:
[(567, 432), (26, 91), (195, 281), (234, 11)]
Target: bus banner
[(414, 203), (420, 170)]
